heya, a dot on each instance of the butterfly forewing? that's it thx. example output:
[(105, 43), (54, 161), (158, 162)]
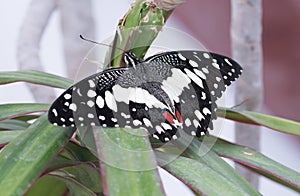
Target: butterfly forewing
[(210, 74)]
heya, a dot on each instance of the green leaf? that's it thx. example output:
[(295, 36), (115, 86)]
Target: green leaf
[(24, 159), (259, 162), (8, 136), (13, 125), (200, 152), (272, 122), (127, 161), (81, 153), (199, 176), (18, 109), (87, 175), (47, 185), (75, 188), (35, 77)]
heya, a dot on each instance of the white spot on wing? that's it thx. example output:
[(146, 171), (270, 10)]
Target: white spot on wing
[(181, 57), (90, 103), (216, 65), (91, 83), (125, 115), (206, 111), (166, 126), (54, 112), (196, 123), (193, 63), (147, 122), (194, 77), (136, 122), (100, 102), (79, 93), (90, 115), (227, 61), (200, 74), (188, 122), (73, 107), (155, 136), (67, 96), (206, 55), (159, 129), (110, 101), (203, 95), (102, 117), (91, 93), (199, 115), (205, 70)]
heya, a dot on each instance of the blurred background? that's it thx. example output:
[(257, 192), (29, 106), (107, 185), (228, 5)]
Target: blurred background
[(51, 43)]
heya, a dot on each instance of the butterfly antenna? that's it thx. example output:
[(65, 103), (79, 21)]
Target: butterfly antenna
[(89, 40)]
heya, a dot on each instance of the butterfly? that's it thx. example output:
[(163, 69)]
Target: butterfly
[(162, 93)]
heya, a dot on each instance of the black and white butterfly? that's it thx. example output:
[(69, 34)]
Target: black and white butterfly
[(162, 93)]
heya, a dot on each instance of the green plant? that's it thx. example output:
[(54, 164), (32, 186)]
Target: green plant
[(35, 157)]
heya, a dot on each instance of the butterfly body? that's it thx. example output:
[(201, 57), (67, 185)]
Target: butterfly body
[(162, 93)]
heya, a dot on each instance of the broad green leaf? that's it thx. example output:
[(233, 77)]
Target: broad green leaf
[(24, 159), (18, 109), (199, 176), (259, 162), (75, 188), (47, 185), (198, 151), (87, 175), (7, 136), (272, 122), (26, 117), (35, 77), (13, 125), (81, 153), (127, 162)]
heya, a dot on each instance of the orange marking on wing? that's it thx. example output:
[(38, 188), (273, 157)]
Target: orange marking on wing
[(168, 117), (178, 116)]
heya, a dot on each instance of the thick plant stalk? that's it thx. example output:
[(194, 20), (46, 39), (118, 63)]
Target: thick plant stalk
[(246, 32), (137, 30), (31, 32), (76, 19)]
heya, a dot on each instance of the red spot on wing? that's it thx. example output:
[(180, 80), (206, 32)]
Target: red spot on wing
[(168, 117), (178, 116)]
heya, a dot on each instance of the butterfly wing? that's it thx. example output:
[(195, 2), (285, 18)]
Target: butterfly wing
[(120, 97), (208, 75), (88, 102)]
